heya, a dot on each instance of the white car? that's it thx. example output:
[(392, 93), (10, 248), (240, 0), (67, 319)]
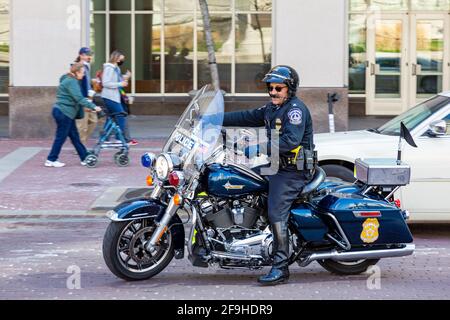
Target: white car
[(427, 197)]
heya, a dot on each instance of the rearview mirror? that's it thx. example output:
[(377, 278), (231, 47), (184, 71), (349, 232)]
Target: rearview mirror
[(438, 128)]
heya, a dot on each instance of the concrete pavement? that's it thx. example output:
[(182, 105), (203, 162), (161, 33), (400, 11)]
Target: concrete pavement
[(51, 259)]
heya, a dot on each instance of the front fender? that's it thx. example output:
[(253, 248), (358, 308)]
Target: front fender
[(137, 209), (144, 208)]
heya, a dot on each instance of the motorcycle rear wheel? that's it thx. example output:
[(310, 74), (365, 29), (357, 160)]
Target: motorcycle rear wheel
[(124, 252), (347, 268)]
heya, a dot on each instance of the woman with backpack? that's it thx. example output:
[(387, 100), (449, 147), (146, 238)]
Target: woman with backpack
[(113, 83)]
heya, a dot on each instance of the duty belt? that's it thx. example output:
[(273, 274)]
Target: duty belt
[(286, 161)]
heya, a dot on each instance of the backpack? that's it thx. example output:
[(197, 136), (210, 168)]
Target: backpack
[(97, 82)]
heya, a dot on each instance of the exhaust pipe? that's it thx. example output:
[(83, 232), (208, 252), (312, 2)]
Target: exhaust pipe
[(407, 250)]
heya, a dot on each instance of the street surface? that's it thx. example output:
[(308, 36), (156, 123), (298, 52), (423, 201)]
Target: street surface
[(52, 224), (41, 257)]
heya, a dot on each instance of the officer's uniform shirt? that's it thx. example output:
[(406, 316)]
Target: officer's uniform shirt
[(292, 120)]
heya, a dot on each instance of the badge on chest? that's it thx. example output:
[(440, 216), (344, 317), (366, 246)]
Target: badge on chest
[(278, 124)]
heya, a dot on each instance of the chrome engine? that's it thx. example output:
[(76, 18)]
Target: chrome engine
[(238, 231)]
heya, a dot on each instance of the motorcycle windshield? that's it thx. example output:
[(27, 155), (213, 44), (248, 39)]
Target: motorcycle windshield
[(197, 131)]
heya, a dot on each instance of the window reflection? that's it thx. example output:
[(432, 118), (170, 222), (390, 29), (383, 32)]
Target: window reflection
[(430, 44), (390, 4), (179, 70), (148, 53), (357, 53), (224, 46), (179, 5), (251, 47), (430, 56), (216, 5), (254, 5), (358, 5), (148, 5), (120, 5), (388, 44), (120, 39), (4, 46), (430, 4), (98, 5), (253, 51), (97, 42)]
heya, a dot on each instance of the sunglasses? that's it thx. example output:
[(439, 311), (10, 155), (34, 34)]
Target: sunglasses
[(277, 89)]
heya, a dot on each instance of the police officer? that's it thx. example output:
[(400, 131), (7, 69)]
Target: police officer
[(290, 116)]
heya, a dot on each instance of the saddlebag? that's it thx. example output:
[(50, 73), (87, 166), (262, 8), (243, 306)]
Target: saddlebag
[(364, 220)]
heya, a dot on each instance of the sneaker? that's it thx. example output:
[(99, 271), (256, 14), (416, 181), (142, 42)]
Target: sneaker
[(55, 164), (83, 163), (133, 142)]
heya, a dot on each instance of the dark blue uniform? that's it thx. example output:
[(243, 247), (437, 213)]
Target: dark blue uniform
[(294, 124)]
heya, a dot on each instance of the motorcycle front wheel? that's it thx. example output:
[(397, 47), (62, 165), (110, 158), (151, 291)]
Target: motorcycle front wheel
[(347, 267), (125, 254)]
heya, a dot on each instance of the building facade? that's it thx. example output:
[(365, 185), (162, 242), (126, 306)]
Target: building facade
[(165, 50), (399, 53)]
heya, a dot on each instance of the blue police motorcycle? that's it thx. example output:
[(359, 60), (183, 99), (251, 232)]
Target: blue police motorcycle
[(346, 228)]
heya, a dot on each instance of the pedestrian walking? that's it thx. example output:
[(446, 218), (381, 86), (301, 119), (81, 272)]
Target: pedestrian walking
[(88, 123), (70, 104), (113, 83)]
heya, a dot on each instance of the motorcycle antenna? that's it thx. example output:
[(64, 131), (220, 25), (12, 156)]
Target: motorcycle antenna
[(405, 134)]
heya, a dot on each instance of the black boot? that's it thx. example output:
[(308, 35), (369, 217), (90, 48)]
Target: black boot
[(280, 270)]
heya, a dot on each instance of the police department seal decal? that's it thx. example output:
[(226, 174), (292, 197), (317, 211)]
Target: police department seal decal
[(295, 116), (370, 233)]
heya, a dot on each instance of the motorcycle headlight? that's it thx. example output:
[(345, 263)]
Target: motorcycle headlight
[(163, 166)]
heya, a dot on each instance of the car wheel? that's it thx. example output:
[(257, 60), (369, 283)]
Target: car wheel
[(338, 173)]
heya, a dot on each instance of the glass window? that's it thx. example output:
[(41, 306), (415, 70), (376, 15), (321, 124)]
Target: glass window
[(253, 51), (413, 117), (357, 53), (388, 44), (120, 5), (148, 5), (430, 56), (358, 5), (120, 39), (4, 46), (148, 53), (430, 4), (98, 5), (254, 5), (97, 41), (224, 46), (390, 4), (179, 57), (246, 49), (217, 5), (177, 5)]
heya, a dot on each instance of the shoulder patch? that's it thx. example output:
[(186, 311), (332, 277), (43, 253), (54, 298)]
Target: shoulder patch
[(295, 116)]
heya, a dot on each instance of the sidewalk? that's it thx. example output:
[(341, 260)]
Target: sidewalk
[(27, 188)]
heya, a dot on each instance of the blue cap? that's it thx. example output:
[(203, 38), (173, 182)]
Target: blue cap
[(86, 50)]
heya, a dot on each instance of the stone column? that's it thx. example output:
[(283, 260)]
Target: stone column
[(311, 36), (46, 36)]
